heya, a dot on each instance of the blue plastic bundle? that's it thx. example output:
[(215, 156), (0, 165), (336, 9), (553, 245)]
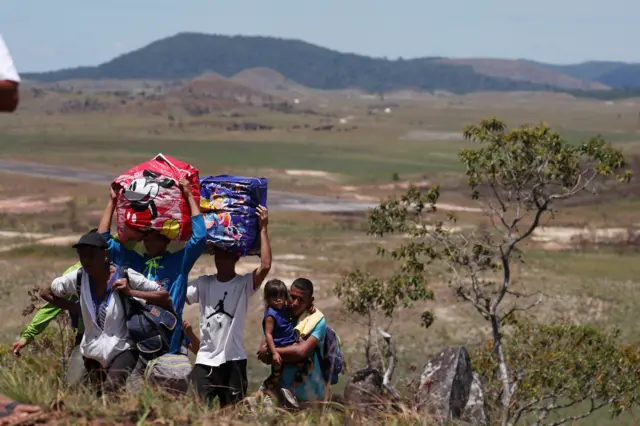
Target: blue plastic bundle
[(229, 205)]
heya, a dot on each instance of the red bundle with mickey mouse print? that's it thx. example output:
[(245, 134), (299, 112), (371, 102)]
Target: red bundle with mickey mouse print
[(151, 199)]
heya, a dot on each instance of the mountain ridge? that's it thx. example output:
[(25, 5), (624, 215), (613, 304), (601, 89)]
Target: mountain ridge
[(526, 70), (188, 55)]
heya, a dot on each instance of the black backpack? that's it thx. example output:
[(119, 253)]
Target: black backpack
[(150, 326), (332, 363)]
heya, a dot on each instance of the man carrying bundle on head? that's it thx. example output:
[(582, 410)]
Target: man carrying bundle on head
[(171, 269), (221, 364)]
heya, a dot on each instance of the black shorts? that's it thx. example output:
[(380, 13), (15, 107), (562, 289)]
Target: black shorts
[(228, 382)]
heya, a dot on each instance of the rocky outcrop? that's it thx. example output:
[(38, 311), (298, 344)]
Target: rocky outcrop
[(445, 385), (364, 390), (476, 412), (448, 389)]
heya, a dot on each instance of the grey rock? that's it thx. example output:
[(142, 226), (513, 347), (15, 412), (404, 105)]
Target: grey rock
[(476, 412), (445, 384), (364, 390)]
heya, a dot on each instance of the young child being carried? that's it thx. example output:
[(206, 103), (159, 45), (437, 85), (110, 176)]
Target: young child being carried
[(279, 330)]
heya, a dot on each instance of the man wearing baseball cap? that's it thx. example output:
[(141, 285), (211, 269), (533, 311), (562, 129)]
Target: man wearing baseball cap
[(109, 353), (48, 313)]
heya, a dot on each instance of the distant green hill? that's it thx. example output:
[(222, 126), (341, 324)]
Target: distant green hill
[(618, 75), (591, 70), (626, 77), (188, 55)]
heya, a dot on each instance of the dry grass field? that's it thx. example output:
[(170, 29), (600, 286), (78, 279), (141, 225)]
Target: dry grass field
[(368, 154)]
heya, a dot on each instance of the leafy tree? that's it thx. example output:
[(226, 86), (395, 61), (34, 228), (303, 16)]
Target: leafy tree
[(571, 372), (371, 297), (517, 176)]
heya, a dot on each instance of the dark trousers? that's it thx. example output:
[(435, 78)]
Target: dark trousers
[(114, 377), (228, 382)]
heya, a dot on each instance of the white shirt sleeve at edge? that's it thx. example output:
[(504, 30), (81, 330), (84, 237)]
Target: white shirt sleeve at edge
[(7, 67), (192, 291), (137, 281), (65, 285)]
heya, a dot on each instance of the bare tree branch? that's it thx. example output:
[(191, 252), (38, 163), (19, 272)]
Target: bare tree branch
[(524, 409), (523, 295), (503, 369), (544, 410), (569, 404), (579, 186), (594, 407), (391, 364), (367, 349), (522, 309), (536, 221)]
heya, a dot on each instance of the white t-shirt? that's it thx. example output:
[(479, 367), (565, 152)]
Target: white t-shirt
[(7, 68), (223, 309)]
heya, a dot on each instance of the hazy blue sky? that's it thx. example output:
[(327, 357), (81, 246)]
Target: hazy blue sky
[(45, 34)]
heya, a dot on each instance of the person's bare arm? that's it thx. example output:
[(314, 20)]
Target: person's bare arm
[(299, 351), (60, 288), (263, 352), (47, 295), (262, 271), (269, 325), (159, 298), (194, 344), (142, 288), (9, 80), (9, 96), (194, 347), (107, 215), (185, 186)]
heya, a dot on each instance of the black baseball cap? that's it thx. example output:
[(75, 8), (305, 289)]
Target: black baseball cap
[(92, 239)]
